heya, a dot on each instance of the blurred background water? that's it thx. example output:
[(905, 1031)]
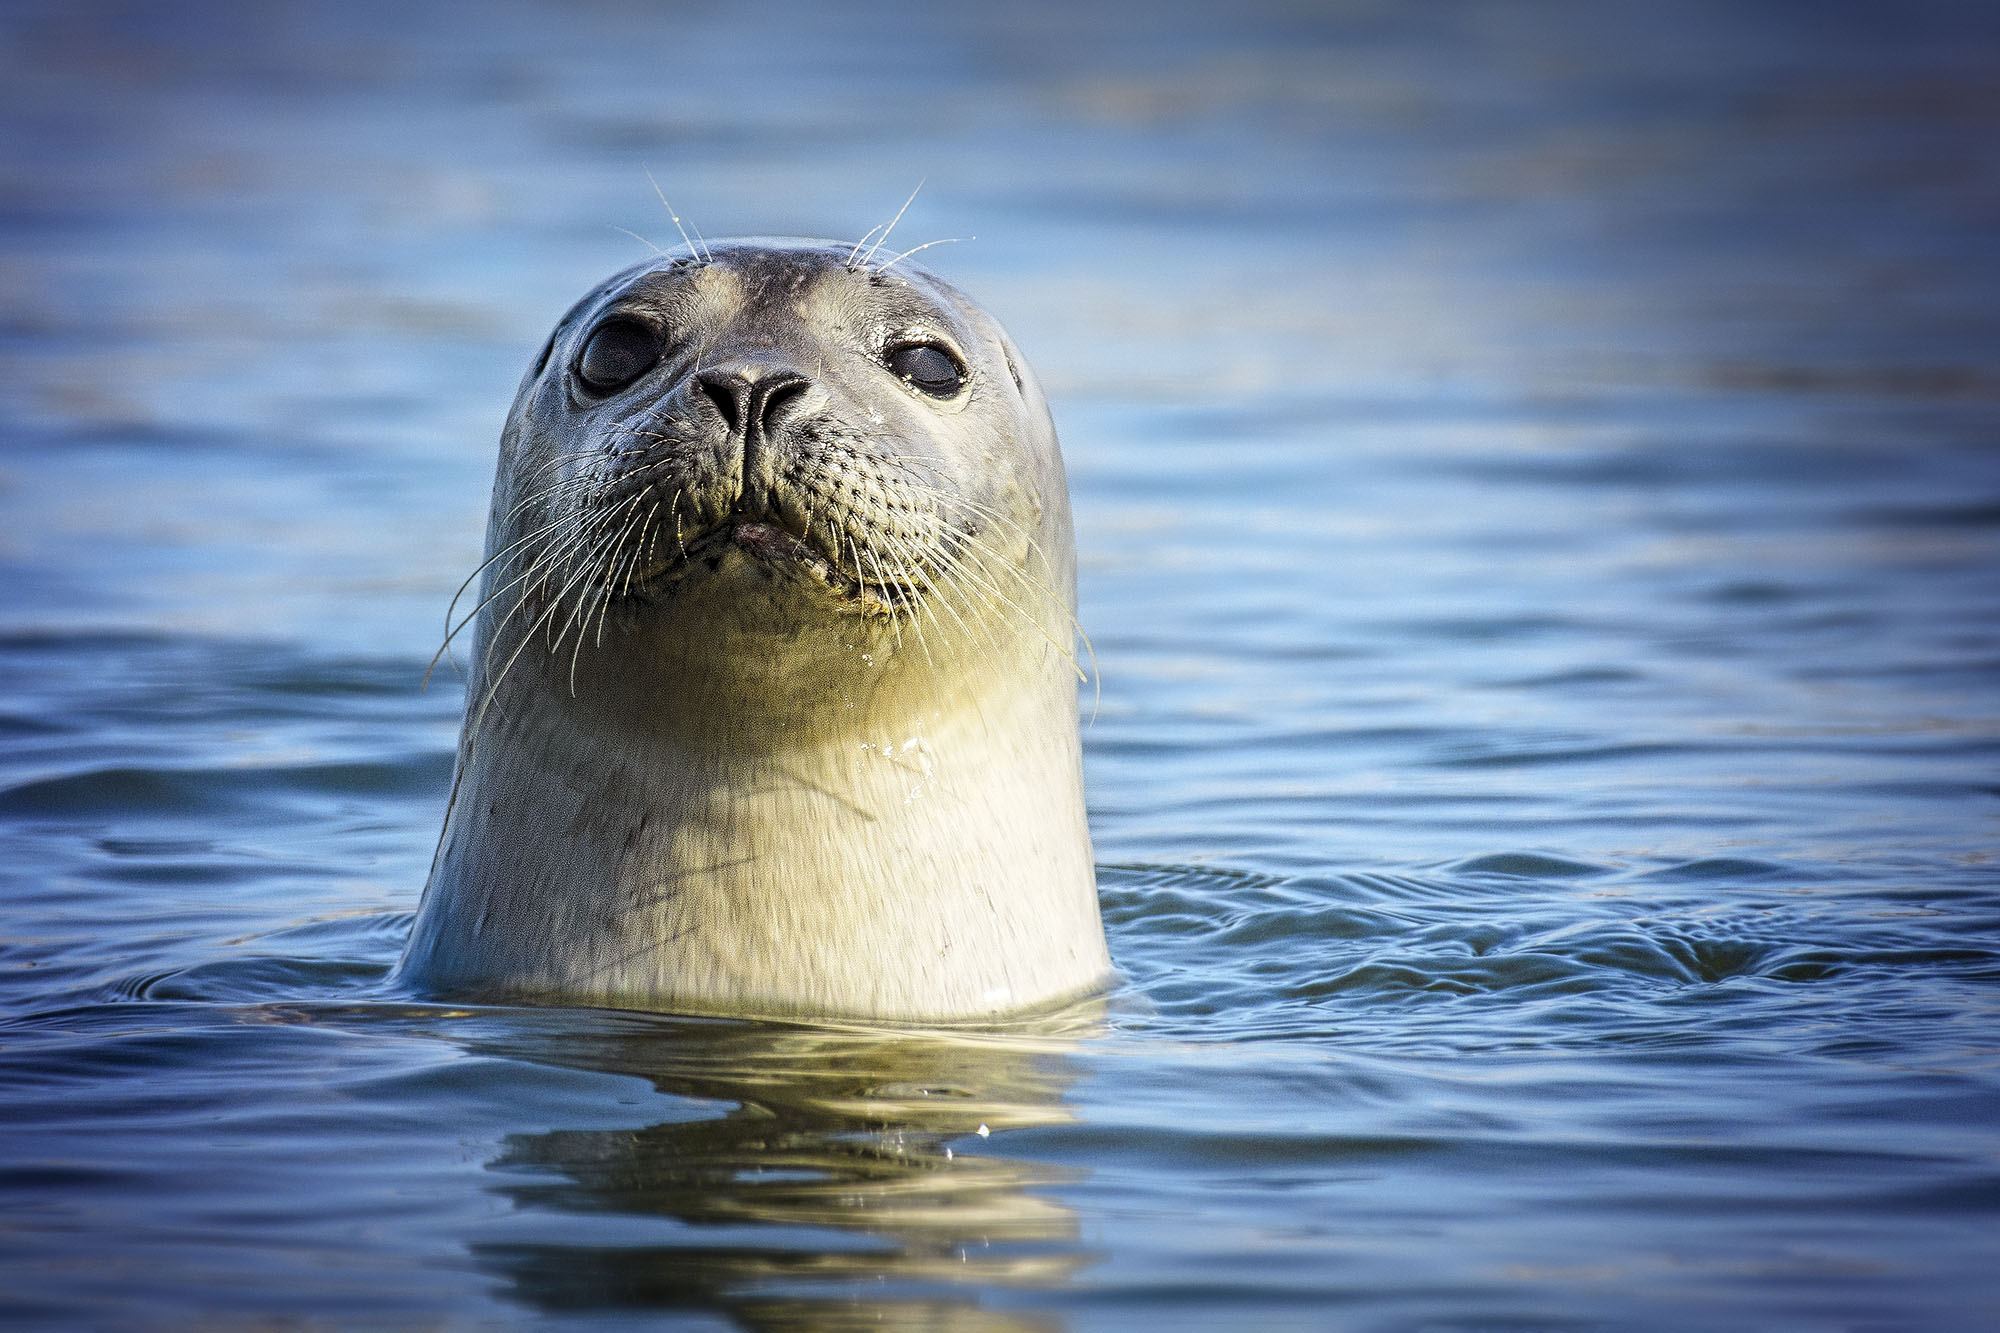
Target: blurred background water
[(1538, 510)]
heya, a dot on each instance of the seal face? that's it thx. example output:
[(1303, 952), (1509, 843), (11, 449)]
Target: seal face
[(771, 707)]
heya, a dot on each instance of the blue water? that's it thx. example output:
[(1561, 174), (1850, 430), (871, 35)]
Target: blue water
[(1537, 472)]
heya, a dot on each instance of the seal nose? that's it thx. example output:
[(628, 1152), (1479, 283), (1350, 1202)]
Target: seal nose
[(751, 398)]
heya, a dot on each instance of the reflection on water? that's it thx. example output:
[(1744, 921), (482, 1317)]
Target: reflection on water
[(834, 1166)]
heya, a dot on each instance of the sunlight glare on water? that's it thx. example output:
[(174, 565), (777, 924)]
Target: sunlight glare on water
[(1538, 513)]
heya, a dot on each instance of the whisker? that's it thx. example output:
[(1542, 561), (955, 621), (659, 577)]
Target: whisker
[(865, 238), (451, 608), (870, 256), (527, 638), (919, 249), (641, 240), (698, 251), (620, 533)]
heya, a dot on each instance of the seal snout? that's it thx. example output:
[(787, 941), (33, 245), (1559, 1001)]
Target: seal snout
[(766, 409), (751, 397)]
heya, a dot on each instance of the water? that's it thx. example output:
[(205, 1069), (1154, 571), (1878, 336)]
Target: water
[(1538, 505)]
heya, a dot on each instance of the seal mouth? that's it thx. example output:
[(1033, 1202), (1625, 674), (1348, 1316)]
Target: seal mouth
[(775, 546)]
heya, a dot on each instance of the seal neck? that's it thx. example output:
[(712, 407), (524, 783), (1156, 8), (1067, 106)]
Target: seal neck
[(940, 870)]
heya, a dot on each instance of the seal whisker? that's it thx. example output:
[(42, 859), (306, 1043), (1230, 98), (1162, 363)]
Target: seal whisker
[(1059, 602), (641, 240), (640, 550), (919, 249), (944, 589), (926, 491), (699, 251), (532, 581), (870, 256), (523, 575), (976, 558), (451, 630), (915, 608), (549, 466), (866, 237), (919, 606), (860, 574), (561, 490), (527, 637), (557, 571), (579, 617), (933, 494), (895, 621), (620, 531)]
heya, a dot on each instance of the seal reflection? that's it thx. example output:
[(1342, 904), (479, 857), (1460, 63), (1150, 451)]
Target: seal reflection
[(848, 1156)]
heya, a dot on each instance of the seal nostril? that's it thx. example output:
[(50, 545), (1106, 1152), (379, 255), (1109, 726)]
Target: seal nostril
[(751, 403), (776, 394), (729, 393)]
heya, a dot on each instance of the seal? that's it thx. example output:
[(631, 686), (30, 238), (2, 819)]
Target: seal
[(771, 707)]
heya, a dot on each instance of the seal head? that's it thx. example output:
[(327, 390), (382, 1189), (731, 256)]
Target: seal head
[(771, 707)]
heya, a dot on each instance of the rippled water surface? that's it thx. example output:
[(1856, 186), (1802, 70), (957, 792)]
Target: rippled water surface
[(1540, 525)]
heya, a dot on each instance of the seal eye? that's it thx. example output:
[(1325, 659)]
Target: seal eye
[(620, 351), (928, 367)]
